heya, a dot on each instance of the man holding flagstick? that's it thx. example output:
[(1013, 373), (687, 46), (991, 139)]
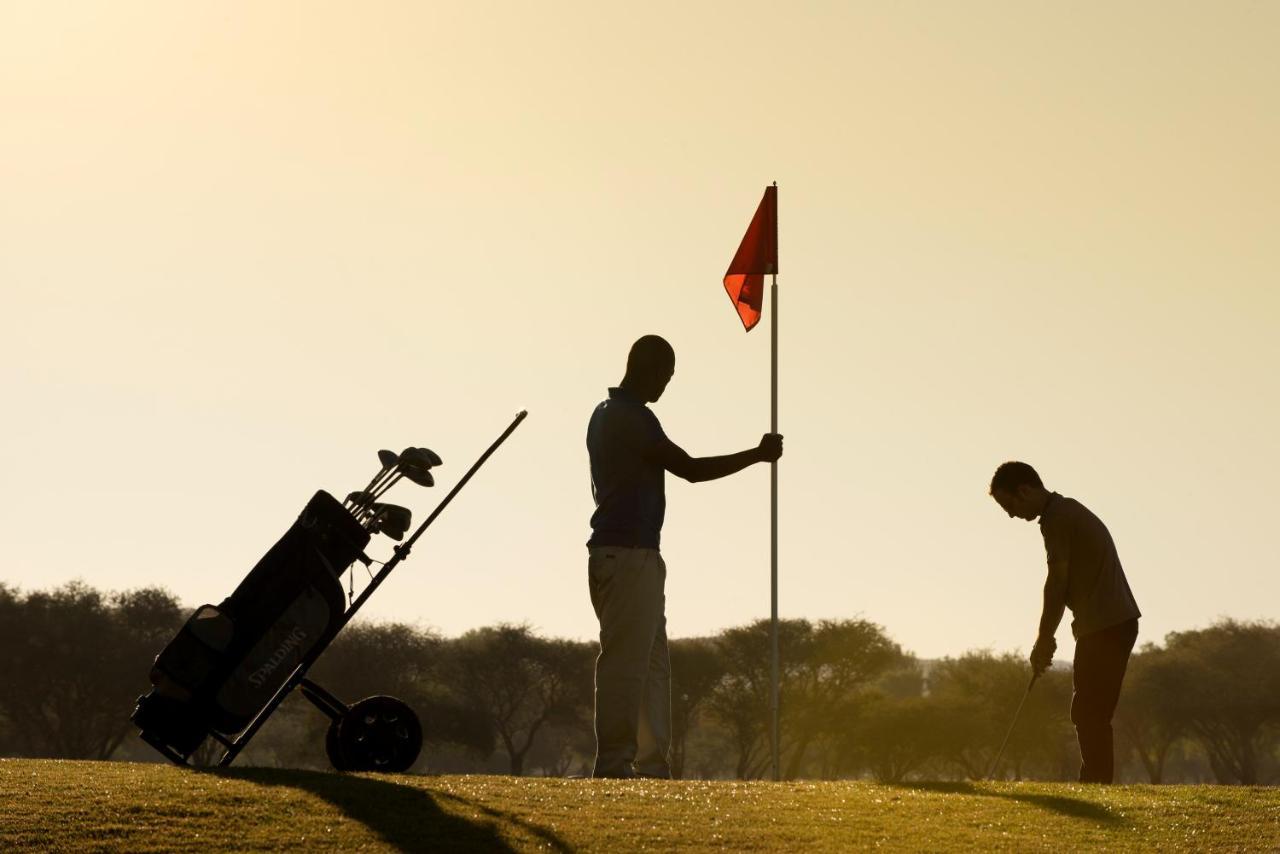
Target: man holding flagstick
[(630, 455)]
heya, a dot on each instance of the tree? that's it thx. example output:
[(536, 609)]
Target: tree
[(561, 747), (72, 661), (10, 743), (696, 671), (895, 738), (1149, 718), (982, 692), (834, 669), (904, 680), (741, 701), (851, 750), (520, 683), (1230, 694), (825, 667), (405, 662)]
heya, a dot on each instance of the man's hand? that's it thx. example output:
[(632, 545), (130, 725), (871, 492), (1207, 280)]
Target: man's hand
[(1042, 654), (770, 447)]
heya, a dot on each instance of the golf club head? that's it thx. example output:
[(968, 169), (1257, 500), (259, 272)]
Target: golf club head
[(388, 458), (396, 534), (421, 457), (390, 519), (417, 474), (395, 514), (433, 459)]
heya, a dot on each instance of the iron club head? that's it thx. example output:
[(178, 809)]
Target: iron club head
[(390, 519)]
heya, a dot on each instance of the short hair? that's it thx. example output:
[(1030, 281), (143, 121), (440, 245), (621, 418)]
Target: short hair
[(1009, 476), (650, 354)]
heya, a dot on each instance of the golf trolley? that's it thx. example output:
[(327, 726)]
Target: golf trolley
[(231, 666)]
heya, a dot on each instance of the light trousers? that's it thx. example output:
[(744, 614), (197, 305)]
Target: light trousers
[(633, 669)]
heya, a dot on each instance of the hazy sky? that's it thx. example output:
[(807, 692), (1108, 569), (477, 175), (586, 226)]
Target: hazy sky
[(245, 245)]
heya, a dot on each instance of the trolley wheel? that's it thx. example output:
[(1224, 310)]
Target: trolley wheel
[(378, 734), (333, 748)]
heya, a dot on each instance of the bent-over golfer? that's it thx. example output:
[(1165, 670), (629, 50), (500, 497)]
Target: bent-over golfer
[(630, 455), (1084, 575)]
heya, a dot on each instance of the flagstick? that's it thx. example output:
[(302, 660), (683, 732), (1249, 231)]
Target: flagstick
[(773, 537)]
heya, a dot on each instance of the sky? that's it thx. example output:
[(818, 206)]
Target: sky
[(245, 245)]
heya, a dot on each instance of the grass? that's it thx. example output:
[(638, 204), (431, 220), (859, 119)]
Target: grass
[(87, 806)]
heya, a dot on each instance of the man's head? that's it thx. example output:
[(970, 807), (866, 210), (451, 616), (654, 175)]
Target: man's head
[(1019, 491), (650, 365)]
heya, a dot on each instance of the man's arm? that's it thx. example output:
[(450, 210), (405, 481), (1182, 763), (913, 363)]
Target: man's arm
[(697, 469), (1055, 601)]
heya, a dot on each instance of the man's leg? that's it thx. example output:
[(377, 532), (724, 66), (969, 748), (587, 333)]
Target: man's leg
[(626, 591), (654, 734), (1100, 662)]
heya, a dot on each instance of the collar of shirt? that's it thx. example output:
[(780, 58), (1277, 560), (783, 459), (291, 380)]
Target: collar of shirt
[(620, 393), (1048, 505)]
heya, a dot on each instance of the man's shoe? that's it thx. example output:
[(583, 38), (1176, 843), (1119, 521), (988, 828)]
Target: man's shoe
[(664, 774), (620, 774)]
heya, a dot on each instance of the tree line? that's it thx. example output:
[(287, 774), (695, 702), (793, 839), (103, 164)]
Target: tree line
[(1203, 705)]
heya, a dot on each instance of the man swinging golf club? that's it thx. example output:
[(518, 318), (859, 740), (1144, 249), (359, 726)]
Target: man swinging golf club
[(630, 455), (1084, 575)]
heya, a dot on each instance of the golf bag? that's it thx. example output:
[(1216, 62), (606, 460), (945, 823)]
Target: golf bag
[(232, 665), (228, 661)]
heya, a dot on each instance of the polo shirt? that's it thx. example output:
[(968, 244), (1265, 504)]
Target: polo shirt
[(1097, 591), (624, 440)]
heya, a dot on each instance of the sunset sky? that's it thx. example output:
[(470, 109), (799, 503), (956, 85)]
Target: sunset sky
[(243, 246)]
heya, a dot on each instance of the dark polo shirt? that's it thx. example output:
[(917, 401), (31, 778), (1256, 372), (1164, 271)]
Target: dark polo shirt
[(1084, 567), (627, 481)]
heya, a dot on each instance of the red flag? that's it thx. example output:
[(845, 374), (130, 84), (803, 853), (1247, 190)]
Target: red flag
[(757, 257)]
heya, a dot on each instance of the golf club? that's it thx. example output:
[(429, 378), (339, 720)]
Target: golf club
[(388, 460), (1013, 723), (417, 474), (366, 508), (413, 463)]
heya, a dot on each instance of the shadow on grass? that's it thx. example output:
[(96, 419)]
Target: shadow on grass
[(405, 817), (554, 842), (1061, 804)]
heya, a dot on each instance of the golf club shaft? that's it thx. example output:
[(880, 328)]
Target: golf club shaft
[(376, 491), (384, 480), (382, 488), (999, 753), (377, 477)]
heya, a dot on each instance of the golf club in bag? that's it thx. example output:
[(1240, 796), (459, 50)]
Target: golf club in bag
[(229, 668), (999, 753)]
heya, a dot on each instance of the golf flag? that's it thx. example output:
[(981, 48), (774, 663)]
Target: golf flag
[(757, 257)]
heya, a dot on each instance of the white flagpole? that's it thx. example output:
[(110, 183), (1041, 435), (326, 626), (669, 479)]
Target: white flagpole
[(773, 539)]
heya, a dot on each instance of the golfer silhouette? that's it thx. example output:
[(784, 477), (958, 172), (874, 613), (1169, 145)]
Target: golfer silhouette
[(1084, 575), (630, 455)]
